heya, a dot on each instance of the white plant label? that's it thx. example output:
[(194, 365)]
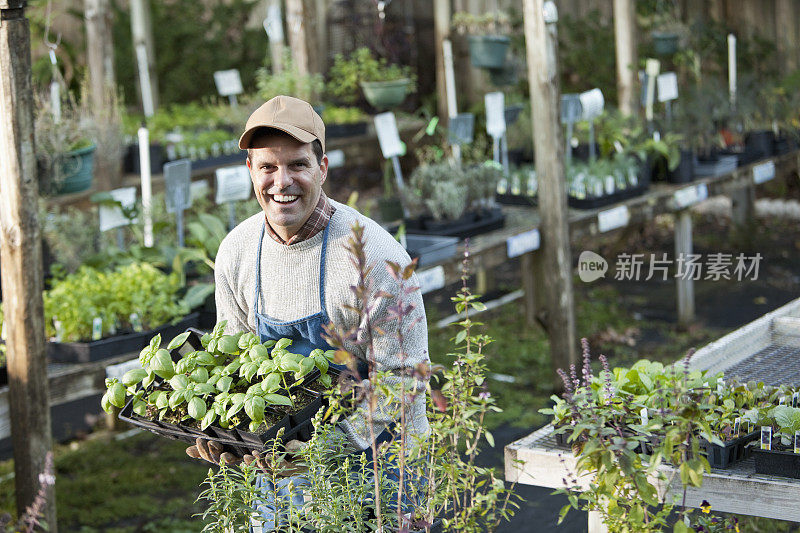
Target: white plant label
[(178, 180), (571, 108), (523, 243), (795, 399), (431, 279), (645, 417), (229, 83), (233, 184), (737, 424), (119, 370), (335, 158), (136, 322), (388, 135), (766, 437), (617, 217), (462, 129), (495, 114), (97, 328), (112, 217), (273, 24), (690, 195), (763, 172), (667, 87), (592, 104)]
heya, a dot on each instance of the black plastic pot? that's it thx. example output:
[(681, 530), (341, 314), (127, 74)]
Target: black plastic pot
[(581, 152), (645, 175), (730, 452), (759, 144), (684, 172), (219, 161), (130, 161), (469, 225), (776, 463), (516, 199), (84, 352), (784, 144)]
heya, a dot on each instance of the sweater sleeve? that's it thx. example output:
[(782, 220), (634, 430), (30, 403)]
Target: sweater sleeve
[(228, 307)]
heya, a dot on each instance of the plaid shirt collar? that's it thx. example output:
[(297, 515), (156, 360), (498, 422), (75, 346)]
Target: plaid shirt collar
[(316, 222)]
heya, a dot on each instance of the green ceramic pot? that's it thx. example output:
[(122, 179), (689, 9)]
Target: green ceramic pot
[(665, 43), (488, 51), (385, 94), (77, 170)]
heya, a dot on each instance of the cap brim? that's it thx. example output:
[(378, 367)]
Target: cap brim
[(299, 134)]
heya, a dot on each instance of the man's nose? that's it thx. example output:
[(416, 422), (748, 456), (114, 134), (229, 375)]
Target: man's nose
[(281, 179)]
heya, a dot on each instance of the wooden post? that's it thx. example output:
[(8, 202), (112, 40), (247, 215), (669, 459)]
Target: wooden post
[(555, 265), (297, 35), (625, 39), (102, 89), (142, 30), (786, 36), (21, 251), (321, 36), (441, 28), (685, 284)]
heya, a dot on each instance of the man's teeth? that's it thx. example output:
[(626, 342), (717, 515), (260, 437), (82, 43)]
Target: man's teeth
[(283, 198)]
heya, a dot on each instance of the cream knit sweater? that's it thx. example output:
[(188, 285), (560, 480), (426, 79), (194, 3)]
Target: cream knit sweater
[(290, 290)]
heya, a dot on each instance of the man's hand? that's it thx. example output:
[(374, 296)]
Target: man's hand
[(284, 468), (212, 452)]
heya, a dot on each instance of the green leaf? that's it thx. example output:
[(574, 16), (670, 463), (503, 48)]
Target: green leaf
[(149, 379), (281, 344), (178, 341), (259, 352), (277, 399), (228, 344), (155, 342), (306, 365), (176, 398), (271, 383), (116, 395), (490, 439), (254, 408), (322, 364), (197, 294), (326, 380), (139, 407), (199, 375), (196, 408), (134, 376), (205, 358), (105, 403), (248, 370), (461, 336), (235, 408), (224, 383), (208, 419), (205, 388), (179, 382), (162, 364), (162, 402)]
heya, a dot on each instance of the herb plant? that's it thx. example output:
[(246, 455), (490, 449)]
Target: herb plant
[(232, 380), (346, 74)]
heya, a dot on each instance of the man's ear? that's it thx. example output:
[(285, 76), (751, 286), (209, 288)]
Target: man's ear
[(323, 166)]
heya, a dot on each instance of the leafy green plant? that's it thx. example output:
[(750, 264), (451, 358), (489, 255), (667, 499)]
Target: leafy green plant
[(233, 375), (139, 289), (346, 74), (289, 82), (489, 23), (343, 115), (446, 191)]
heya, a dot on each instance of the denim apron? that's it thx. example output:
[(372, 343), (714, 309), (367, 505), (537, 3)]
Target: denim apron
[(306, 335)]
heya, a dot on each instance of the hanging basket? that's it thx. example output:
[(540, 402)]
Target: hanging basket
[(488, 51), (76, 170), (385, 94), (665, 43)]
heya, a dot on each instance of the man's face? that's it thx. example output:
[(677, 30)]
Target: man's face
[(287, 181)]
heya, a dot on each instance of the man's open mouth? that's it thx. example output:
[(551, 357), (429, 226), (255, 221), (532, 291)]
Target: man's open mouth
[(284, 198)]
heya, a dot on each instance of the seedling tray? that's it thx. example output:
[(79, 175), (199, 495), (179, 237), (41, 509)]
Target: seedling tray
[(776, 463), (84, 352), (431, 249), (516, 199), (353, 129), (469, 225), (730, 452)]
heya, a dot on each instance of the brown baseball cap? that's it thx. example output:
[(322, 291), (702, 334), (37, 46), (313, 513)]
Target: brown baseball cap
[(288, 114)]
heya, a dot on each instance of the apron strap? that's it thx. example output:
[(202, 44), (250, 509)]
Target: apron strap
[(258, 267), (322, 270)]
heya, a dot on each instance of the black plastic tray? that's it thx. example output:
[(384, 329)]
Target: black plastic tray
[(469, 225), (730, 452), (516, 199), (346, 130), (776, 463), (84, 352)]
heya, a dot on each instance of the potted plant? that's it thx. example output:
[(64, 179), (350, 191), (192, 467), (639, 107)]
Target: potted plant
[(289, 81), (452, 200), (384, 85), (65, 145), (232, 389), (344, 121), (487, 37)]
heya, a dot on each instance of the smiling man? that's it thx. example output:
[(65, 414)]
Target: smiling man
[(286, 272)]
